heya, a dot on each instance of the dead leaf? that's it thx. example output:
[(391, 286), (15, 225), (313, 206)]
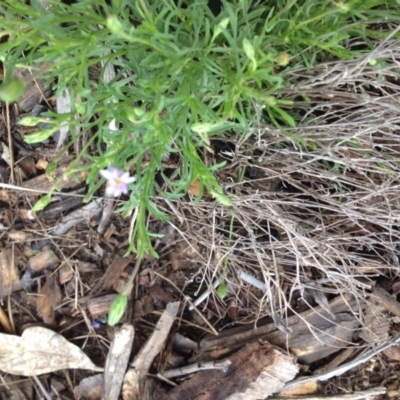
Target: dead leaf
[(40, 351), (195, 188)]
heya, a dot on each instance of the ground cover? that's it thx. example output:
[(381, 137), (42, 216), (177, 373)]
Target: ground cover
[(264, 146)]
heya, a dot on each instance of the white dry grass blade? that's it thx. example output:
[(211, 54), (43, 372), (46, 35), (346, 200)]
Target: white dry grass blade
[(108, 76), (63, 105), (40, 351)]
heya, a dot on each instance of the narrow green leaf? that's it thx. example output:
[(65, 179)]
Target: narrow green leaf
[(224, 200), (42, 203)]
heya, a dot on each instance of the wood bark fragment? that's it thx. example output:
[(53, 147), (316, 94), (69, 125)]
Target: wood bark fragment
[(256, 371), (112, 273), (362, 395), (301, 341), (54, 210), (388, 301), (117, 362), (42, 184), (99, 305), (45, 259), (338, 360), (83, 214), (90, 388), (9, 281), (43, 306), (34, 90), (190, 369), (134, 381), (347, 366)]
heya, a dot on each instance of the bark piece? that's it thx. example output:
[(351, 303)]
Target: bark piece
[(35, 88), (56, 209), (307, 388), (65, 274), (369, 394), (44, 307), (5, 322), (100, 305), (117, 361), (347, 366), (9, 281), (112, 274), (45, 259), (326, 336), (42, 184), (134, 381), (256, 371), (338, 360), (74, 218), (376, 324), (387, 301), (90, 388)]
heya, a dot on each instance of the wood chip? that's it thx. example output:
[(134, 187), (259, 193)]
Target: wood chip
[(387, 301), (9, 280), (256, 371), (327, 337), (34, 90), (100, 305), (42, 184), (347, 366), (90, 388), (44, 259), (112, 273), (369, 394), (307, 388), (117, 362), (43, 306), (41, 164), (55, 210), (74, 218), (135, 378)]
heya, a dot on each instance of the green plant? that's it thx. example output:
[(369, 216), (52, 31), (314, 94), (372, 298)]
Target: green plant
[(183, 76)]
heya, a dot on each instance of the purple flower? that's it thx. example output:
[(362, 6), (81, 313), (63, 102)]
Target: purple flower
[(95, 324), (117, 181)]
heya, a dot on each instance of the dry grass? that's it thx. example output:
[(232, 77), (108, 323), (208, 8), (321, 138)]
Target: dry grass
[(320, 215)]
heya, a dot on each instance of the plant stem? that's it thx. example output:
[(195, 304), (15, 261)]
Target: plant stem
[(129, 284)]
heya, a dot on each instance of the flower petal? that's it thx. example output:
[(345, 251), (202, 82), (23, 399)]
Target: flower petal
[(106, 174), (130, 179)]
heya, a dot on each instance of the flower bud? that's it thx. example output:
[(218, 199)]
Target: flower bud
[(117, 309)]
